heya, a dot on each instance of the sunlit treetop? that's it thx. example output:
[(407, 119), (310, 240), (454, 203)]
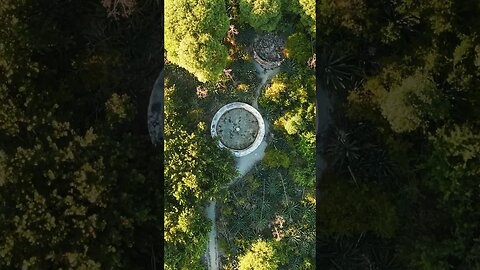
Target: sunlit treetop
[(194, 31), (261, 14)]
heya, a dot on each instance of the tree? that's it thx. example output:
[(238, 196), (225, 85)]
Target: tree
[(276, 158), (355, 152), (363, 251), (85, 194), (306, 10), (262, 15), (412, 103), (299, 47), (347, 210), (193, 36), (340, 15), (119, 109), (451, 172), (335, 72), (418, 91), (76, 175), (195, 170), (260, 256), (203, 56)]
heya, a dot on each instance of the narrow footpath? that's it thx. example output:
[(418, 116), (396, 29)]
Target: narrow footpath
[(244, 165)]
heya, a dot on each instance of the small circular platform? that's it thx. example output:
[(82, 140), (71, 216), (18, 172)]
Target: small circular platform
[(239, 127), (267, 51)]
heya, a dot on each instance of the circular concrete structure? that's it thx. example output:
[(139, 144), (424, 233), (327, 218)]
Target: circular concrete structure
[(267, 51), (239, 128)]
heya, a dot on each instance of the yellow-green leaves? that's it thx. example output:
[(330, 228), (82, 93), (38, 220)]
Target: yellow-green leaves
[(412, 103), (202, 55), (261, 14), (119, 108), (260, 256), (193, 35)]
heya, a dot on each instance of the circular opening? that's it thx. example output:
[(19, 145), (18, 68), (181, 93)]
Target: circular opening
[(239, 127)]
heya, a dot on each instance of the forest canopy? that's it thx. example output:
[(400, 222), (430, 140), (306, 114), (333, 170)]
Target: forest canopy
[(78, 174), (405, 75), (264, 214), (194, 33)]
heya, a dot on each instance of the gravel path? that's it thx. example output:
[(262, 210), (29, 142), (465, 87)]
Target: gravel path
[(265, 75), (212, 248), (244, 165)]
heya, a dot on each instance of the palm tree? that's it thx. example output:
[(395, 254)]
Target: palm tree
[(384, 259), (289, 66), (341, 253), (356, 152), (291, 211), (335, 72), (344, 150), (377, 164)]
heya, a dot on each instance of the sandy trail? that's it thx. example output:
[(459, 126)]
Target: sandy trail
[(264, 75), (244, 165), (212, 249)]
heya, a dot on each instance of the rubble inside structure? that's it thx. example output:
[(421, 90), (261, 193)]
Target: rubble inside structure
[(268, 51)]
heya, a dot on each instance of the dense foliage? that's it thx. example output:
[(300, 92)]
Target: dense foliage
[(78, 176), (403, 153), (266, 217), (261, 256), (262, 15), (194, 32), (195, 170)]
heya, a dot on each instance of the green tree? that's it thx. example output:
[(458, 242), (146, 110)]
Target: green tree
[(195, 170), (299, 47), (193, 36), (262, 15), (412, 103), (203, 56), (306, 10), (260, 256), (276, 158)]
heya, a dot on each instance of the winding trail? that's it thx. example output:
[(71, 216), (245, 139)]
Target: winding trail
[(244, 165), (212, 248), (265, 75)]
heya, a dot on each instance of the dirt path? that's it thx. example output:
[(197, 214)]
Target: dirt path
[(244, 165), (212, 248), (265, 75)]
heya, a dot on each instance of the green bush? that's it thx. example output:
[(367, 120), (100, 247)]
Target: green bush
[(262, 15), (299, 47)]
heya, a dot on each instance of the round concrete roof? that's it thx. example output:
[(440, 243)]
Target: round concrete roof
[(239, 127)]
